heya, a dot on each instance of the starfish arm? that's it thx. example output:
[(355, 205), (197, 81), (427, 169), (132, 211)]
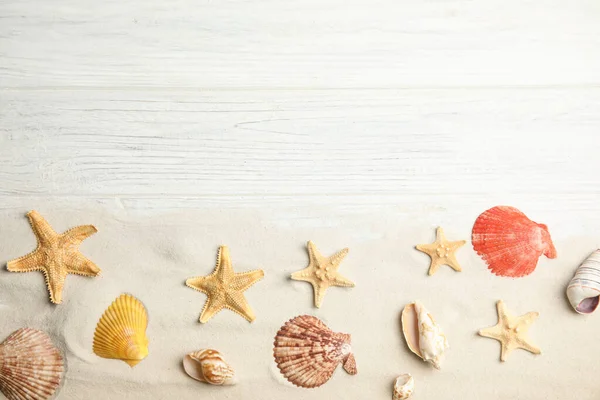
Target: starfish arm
[(439, 235), (224, 269), (528, 346), (306, 275), (428, 249), (339, 280), (31, 262), (490, 332), (41, 228), (505, 351), (452, 262), (319, 293), (55, 280), (435, 265), (337, 258), (238, 304), (78, 234), (200, 283), (525, 320), (77, 263), (456, 245), (244, 280), (210, 309)]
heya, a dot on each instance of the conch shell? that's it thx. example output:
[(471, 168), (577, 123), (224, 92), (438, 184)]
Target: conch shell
[(121, 331), (584, 289), (30, 366), (307, 352), (208, 366), (404, 386), (423, 336)]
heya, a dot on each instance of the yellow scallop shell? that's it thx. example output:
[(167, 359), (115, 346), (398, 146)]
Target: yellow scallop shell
[(121, 331)]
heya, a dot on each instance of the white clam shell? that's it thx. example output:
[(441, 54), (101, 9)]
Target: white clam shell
[(584, 289), (404, 386), (423, 336)]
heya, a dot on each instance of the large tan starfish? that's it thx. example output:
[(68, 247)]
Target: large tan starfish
[(441, 252), (224, 288), (511, 331), (56, 255), (322, 272)]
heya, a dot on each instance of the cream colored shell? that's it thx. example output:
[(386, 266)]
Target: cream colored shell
[(30, 366), (121, 331), (584, 289), (404, 387), (208, 366), (423, 336)]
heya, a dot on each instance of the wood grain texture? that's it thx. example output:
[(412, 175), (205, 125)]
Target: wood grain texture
[(372, 120)]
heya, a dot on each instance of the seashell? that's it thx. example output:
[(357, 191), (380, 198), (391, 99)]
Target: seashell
[(31, 366), (404, 386), (584, 289), (307, 352), (208, 366), (121, 331), (509, 242), (423, 336)]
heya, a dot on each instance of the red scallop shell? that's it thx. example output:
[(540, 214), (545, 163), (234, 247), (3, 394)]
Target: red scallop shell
[(509, 242), (307, 352)]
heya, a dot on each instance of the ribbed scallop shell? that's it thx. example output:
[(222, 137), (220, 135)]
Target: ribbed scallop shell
[(307, 352), (121, 331), (208, 366), (31, 367), (404, 386), (584, 289), (509, 242)]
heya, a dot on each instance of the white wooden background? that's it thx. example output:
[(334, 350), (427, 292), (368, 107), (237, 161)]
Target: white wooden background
[(303, 114)]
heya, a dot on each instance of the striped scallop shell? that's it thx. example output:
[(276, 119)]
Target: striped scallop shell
[(121, 331), (509, 242), (208, 366), (307, 352), (584, 289), (31, 367)]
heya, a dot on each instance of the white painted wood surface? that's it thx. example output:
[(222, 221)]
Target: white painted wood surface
[(307, 115)]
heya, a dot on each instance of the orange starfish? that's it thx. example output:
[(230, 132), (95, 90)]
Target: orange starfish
[(56, 255), (225, 288)]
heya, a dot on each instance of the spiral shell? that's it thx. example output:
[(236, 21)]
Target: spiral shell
[(307, 352), (121, 331), (30, 366), (208, 366), (404, 386), (584, 289), (423, 336)]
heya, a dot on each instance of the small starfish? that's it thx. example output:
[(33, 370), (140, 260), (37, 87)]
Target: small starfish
[(56, 255), (511, 331), (441, 252), (225, 288), (322, 272)]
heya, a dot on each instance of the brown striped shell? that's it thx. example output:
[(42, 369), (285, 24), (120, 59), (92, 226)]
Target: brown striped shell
[(307, 352), (31, 367), (208, 366)]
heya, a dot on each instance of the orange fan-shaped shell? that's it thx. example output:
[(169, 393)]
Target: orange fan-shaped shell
[(509, 242), (307, 352)]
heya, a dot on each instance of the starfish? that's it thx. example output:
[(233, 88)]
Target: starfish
[(56, 255), (224, 288), (441, 252), (322, 272), (511, 331)]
